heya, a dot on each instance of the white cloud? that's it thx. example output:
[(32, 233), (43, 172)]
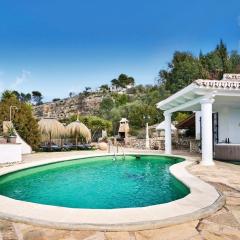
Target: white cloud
[(24, 77)]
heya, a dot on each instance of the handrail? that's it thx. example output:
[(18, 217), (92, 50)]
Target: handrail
[(124, 156), (116, 150)]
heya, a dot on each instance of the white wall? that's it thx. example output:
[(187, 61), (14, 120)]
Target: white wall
[(10, 153), (229, 124), (25, 148)]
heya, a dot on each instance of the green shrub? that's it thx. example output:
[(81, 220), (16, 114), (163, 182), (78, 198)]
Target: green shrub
[(23, 120)]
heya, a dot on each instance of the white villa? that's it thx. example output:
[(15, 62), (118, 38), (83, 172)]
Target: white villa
[(216, 104)]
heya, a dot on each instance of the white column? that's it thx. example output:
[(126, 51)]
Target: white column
[(147, 137), (168, 134), (197, 125), (207, 147)]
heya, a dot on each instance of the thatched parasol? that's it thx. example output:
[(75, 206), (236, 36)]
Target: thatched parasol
[(77, 129), (51, 128)]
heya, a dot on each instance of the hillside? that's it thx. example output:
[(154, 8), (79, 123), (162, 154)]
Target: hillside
[(137, 103), (65, 108)]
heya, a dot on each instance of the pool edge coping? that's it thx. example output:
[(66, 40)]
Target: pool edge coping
[(13, 210)]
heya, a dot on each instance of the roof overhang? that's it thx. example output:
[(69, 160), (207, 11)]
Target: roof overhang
[(188, 99)]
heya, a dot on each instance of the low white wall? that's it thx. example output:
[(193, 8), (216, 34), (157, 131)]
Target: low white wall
[(10, 153), (25, 148)]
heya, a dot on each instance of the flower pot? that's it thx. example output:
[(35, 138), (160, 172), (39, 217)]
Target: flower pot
[(3, 140), (12, 139)]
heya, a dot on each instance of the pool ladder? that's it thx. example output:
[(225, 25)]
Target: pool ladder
[(115, 154), (123, 152)]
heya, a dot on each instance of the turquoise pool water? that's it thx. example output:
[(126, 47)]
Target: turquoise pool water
[(97, 183)]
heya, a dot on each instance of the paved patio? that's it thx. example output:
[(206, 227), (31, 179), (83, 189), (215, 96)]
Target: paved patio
[(224, 224)]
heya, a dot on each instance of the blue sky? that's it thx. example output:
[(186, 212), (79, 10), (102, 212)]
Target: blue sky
[(58, 46)]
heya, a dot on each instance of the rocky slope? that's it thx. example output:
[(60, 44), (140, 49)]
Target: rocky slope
[(65, 108)]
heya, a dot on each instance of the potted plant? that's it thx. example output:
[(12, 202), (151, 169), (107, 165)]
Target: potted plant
[(12, 137), (3, 138)]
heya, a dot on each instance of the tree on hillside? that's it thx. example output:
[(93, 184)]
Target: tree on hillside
[(37, 97), (181, 116), (185, 67), (134, 111), (23, 119), (22, 96), (120, 99), (87, 91), (94, 123), (16, 93), (123, 81), (72, 94), (106, 105), (130, 81), (104, 88), (115, 83), (26, 97), (234, 62), (216, 62), (115, 116), (221, 50), (219, 61), (8, 94)]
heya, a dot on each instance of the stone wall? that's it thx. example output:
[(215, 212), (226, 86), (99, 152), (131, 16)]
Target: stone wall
[(155, 143), (65, 108)]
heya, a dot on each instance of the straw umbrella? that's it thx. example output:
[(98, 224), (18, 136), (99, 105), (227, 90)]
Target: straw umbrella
[(51, 128), (77, 129)]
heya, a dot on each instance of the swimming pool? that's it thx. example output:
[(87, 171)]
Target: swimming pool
[(97, 183)]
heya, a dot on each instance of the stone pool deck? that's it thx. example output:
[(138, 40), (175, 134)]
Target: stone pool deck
[(224, 224)]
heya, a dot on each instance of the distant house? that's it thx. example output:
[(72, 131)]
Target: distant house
[(216, 104), (120, 89)]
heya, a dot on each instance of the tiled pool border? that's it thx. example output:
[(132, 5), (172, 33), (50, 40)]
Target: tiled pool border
[(201, 202)]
